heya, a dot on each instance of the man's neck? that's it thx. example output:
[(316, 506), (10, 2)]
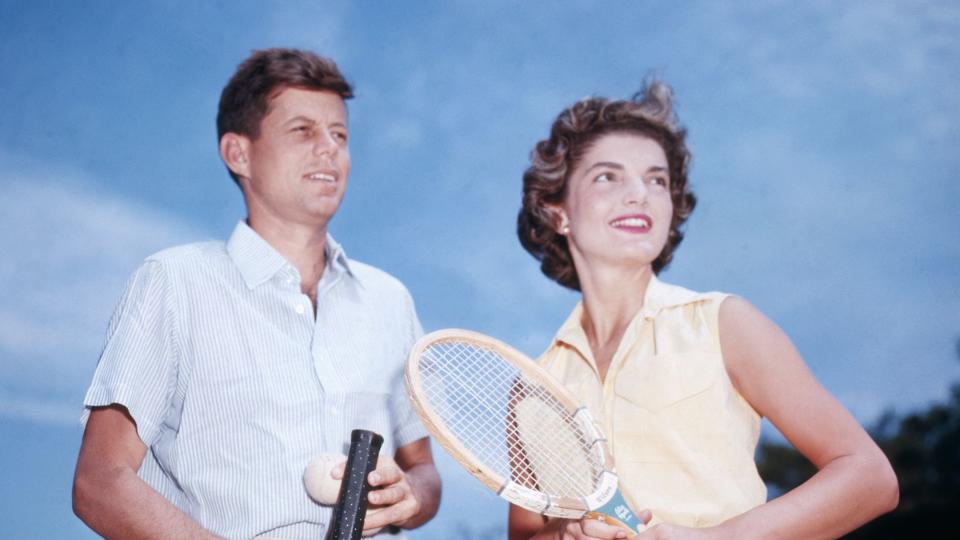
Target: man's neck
[(303, 245)]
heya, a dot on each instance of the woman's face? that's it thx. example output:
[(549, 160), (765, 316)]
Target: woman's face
[(617, 206)]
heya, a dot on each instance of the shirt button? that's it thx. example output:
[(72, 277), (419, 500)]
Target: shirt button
[(299, 309)]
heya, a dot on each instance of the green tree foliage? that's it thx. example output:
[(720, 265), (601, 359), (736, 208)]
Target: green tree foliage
[(924, 448)]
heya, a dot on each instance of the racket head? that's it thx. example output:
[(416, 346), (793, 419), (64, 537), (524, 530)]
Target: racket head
[(510, 423)]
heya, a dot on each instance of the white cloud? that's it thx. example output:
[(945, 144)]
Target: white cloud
[(68, 249), (41, 410), (902, 54)]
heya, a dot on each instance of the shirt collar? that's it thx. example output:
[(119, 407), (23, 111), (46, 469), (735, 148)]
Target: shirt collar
[(258, 261), (659, 295)]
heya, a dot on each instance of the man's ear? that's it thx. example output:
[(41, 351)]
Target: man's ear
[(235, 152)]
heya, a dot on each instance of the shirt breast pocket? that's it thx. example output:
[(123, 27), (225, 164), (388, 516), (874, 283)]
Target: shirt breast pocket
[(661, 382)]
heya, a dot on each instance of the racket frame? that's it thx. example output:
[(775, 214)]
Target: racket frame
[(520, 495)]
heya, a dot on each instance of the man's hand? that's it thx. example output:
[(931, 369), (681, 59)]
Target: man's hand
[(391, 499), (405, 489)]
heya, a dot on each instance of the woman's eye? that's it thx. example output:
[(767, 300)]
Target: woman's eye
[(659, 181), (603, 177)]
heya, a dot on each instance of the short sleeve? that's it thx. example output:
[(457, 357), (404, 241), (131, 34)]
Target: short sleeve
[(407, 425), (138, 366)]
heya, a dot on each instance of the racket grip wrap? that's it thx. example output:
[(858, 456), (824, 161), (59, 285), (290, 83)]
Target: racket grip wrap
[(351, 507)]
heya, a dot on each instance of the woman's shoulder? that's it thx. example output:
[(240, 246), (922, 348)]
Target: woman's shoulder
[(662, 295)]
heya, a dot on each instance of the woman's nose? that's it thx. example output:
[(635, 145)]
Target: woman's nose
[(635, 191)]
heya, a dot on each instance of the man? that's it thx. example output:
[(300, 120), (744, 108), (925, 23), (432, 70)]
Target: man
[(227, 367)]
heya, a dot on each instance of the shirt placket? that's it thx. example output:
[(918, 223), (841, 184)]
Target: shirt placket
[(311, 339), (642, 345), (332, 382)]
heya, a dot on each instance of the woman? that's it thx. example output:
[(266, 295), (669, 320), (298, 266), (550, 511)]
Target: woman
[(679, 379)]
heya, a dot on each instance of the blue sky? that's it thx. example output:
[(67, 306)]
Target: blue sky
[(824, 135)]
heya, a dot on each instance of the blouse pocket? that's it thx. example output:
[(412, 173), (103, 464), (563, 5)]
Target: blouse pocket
[(661, 381)]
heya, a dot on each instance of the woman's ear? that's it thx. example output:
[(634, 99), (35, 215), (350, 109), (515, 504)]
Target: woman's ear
[(557, 218), (234, 150)]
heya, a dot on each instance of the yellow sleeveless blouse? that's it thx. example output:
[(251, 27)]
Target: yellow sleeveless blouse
[(683, 438)]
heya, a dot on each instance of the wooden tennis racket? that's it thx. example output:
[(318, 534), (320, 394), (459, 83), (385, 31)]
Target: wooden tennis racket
[(514, 427)]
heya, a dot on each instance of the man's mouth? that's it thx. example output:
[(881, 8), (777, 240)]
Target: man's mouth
[(322, 177)]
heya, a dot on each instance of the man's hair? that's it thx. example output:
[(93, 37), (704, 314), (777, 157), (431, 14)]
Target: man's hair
[(245, 99), (648, 113)]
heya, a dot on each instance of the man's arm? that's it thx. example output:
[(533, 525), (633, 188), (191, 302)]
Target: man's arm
[(409, 493), (107, 493), (416, 459)]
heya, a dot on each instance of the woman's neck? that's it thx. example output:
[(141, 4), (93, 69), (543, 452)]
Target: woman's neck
[(611, 299)]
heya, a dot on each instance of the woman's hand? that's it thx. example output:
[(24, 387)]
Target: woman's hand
[(587, 529), (665, 531), (584, 529), (526, 525)]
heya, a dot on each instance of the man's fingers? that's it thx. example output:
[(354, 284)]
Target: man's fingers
[(387, 495), (386, 473), (381, 516), (337, 470)]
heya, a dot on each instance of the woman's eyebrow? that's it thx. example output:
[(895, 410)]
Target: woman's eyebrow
[(608, 164)]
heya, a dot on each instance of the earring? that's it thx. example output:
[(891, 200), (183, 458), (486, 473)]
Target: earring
[(566, 229)]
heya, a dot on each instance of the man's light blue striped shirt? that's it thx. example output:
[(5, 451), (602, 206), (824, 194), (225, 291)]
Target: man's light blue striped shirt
[(235, 385)]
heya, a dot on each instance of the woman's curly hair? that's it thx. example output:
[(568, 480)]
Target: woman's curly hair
[(649, 113)]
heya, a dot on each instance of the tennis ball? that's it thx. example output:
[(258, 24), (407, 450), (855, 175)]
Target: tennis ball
[(322, 487)]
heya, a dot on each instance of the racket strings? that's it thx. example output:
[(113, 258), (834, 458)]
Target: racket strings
[(556, 456), (510, 422)]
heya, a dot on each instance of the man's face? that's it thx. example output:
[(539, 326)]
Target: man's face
[(297, 168)]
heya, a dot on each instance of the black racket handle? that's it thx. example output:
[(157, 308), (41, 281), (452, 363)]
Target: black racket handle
[(348, 514)]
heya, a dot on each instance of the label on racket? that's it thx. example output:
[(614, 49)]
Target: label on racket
[(617, 512), (606, 489)]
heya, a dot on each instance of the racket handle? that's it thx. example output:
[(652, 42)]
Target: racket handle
[(617, 512), (348, 514)]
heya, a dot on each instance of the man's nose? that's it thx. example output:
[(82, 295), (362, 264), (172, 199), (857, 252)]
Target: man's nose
[(324, 143)]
